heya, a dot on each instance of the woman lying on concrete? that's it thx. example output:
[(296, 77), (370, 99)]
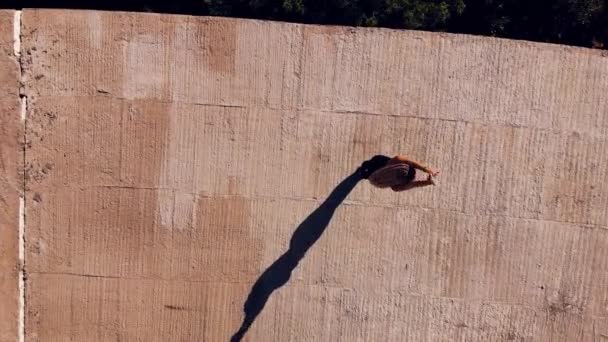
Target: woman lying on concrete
[(397, 173)]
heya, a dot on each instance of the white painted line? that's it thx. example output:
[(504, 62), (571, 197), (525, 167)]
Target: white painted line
[(21, 331), (21, 228), (23, 108), (17, 34)]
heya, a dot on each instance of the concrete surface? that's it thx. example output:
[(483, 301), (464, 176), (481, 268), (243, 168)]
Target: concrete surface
[(11, 179), (170, 159)]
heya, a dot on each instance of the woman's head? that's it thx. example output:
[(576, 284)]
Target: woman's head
[(370, 166)]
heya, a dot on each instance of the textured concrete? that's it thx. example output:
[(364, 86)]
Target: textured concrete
[(171, 158), (11, 161)]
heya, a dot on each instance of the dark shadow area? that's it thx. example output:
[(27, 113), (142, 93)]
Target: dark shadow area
[(304, 237), (581, 22), (156, 6)]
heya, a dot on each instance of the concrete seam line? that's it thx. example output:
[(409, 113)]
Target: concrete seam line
[(21, 233)]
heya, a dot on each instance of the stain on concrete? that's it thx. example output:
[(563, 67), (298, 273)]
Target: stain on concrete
[(217, 39)]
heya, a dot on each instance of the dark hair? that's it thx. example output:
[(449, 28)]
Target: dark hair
[(370, 166)]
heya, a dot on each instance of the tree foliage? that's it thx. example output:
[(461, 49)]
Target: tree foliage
[(574, 22)]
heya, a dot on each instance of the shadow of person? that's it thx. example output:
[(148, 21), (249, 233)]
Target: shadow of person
[(307, 233)]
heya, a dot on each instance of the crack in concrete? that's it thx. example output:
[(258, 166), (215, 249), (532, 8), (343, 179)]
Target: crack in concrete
[(461, 300), (352, 202)]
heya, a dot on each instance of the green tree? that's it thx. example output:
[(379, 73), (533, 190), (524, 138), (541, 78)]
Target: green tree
[(575, 22)]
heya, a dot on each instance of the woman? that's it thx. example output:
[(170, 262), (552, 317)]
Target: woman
[(397, 173)]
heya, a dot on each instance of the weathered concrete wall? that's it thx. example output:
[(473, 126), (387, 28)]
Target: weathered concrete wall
[(170, 158), (11, 162)]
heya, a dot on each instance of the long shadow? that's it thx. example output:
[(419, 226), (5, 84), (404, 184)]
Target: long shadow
[(307, 233)]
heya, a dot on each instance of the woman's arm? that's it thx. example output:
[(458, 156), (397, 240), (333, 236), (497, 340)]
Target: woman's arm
[(417, 165)]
